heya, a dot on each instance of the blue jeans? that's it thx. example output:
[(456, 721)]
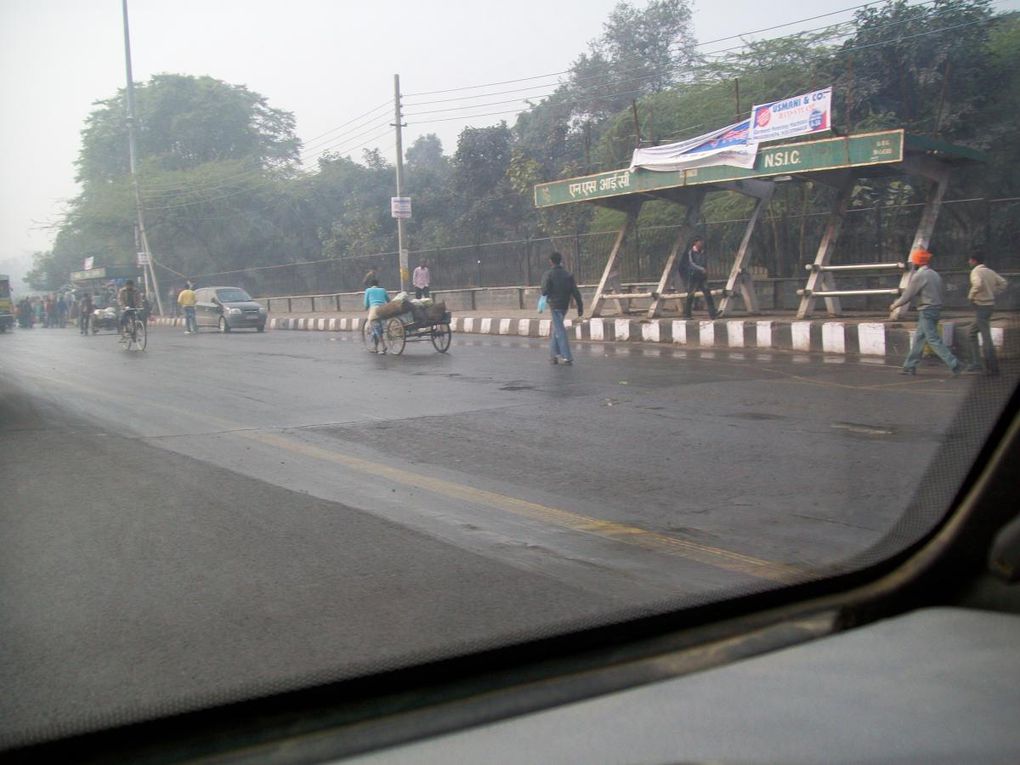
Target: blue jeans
[(927, 332), (558, 344), (189, 318)]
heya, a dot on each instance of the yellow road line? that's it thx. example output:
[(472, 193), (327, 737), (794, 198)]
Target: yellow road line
[(632, 535), (716, 557)]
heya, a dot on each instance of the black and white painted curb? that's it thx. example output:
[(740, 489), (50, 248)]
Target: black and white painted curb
[(879, 339)]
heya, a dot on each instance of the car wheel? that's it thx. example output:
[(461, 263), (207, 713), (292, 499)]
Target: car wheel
[(261, 328), (224, 327)]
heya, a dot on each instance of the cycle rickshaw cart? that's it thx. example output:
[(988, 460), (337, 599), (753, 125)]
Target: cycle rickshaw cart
[(411, 324)]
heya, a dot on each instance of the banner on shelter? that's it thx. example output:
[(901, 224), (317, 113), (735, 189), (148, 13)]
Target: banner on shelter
[(726, 146), (800, 115)]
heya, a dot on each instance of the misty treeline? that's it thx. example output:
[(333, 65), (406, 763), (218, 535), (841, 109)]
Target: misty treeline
[(224, 189)]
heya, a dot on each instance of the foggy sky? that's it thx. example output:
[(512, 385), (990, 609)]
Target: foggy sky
[(326, 61)]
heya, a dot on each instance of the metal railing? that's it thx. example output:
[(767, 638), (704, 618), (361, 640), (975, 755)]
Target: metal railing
[(992, 223)]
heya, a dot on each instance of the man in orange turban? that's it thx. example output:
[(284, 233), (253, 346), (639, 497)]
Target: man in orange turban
[(925, 287), (920, 257)]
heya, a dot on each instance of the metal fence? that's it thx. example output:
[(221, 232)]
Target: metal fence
[(780, 247)]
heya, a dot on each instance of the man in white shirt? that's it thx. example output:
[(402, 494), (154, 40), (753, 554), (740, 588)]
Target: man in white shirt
[(985, 284), (420, 279)]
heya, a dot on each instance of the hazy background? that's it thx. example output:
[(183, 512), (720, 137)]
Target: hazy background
[(326, 61)]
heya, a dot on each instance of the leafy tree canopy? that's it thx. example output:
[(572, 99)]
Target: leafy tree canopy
[(184, 122)]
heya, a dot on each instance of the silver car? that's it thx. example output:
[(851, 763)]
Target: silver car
[(228, 308)]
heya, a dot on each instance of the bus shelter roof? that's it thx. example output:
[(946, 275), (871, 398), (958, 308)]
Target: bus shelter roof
[(887, 152)]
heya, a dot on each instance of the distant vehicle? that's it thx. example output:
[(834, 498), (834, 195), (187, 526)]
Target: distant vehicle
[(228, 308), (6, 304)]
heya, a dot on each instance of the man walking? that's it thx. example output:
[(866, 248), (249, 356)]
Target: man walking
[(925, 285), (559, 287), (85, 312), (694, 272), (186, 300), (61, 311), (985, 284), (421, 279)]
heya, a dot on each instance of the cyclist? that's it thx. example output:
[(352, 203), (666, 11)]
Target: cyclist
[(128, 299)]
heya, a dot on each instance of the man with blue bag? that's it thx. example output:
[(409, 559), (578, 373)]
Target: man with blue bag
[(559, 288)]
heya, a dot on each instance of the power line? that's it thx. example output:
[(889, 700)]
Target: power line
[(715, 80), (153, 190), (711, 42), (238, 192), (839, 29), (462, 114)]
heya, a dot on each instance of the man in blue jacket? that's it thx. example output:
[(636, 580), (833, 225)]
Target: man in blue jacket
[(694, 272), (559, 287)]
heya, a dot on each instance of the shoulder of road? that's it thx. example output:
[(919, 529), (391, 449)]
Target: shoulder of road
[(871, 335)]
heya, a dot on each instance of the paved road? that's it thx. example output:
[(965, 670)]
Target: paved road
[(233, 514)]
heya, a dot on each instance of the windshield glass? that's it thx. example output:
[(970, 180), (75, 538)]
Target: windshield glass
[(232, 296), (663, 311)]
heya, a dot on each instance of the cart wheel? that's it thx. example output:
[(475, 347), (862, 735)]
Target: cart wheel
[(396, 338), (441, 337), (366, 335)]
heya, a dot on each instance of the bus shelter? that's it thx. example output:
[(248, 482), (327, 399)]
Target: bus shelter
[(840, 163), (102, 282)]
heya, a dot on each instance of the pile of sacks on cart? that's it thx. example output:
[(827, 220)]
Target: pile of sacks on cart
[(422, 310)]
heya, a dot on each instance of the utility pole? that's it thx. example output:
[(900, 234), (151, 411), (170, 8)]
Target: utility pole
[(401, 232), (149, 271)]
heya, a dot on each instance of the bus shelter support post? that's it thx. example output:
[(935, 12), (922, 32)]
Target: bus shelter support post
[(610, 274), (740, 280), (939, 173), (821, 280), (669, 273)]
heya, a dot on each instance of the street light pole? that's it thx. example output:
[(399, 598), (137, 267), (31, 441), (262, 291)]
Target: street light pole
[(150, 272), (401, 231)]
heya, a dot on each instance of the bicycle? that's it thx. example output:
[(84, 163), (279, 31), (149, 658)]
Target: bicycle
[(133, 334)]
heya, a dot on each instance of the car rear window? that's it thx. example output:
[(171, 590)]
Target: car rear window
[(233, 295)]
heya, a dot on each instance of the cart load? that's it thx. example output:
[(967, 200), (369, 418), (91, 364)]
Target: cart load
[(405, 319)]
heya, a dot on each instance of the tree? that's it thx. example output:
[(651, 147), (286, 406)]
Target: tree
[(639, 52), (211, 157), (429, 182), (183, 122), (489, 206), (916, 66)]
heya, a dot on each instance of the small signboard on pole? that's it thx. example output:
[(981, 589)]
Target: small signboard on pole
[(143, 259), (400, 207)]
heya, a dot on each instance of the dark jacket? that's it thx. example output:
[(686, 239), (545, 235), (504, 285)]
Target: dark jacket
[(694, 264), (559, 287)]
